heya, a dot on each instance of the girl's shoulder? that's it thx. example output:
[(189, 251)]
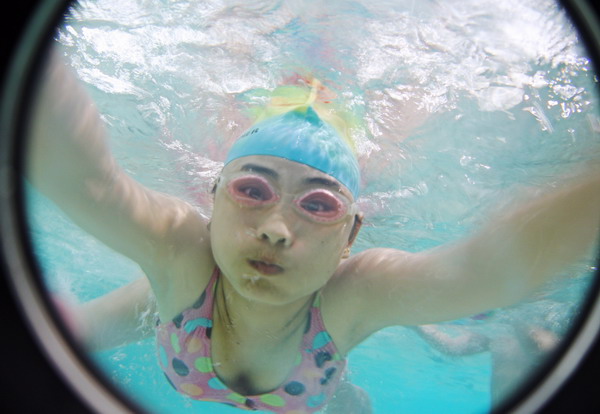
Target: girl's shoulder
[(359, 298), (179, 280), (342, 305)]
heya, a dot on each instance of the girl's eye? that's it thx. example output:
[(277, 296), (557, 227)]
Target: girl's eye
[(322, 205), (254, 193), (251, 190)]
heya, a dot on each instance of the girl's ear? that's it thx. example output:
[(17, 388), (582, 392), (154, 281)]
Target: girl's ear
[(214, 188), (358, 220)]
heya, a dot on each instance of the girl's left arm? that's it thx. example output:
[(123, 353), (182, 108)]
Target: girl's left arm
[(499, 265), (463, 344)]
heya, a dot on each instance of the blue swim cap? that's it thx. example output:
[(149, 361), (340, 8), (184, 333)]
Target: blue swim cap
[(301, 136)]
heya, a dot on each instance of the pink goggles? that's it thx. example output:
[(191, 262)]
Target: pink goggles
[(319, 205)]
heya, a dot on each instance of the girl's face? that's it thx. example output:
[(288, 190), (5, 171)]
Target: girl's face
[(279, 228)]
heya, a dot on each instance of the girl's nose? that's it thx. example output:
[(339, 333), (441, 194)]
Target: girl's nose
[(275, 231)]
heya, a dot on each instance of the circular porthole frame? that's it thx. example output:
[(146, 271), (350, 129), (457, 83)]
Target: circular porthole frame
[(41, 318), (81, 380)]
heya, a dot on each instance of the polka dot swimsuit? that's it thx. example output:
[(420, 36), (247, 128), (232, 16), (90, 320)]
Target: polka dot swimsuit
[(184, 349)]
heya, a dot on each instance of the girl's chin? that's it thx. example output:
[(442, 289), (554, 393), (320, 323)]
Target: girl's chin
[(267, 290)]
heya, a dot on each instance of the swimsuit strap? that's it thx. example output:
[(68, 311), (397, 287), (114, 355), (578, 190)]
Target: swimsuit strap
[(207, 298), (317, 300)]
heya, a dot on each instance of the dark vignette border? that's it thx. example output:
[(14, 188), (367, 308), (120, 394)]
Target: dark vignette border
[(35, 375), (30, 383)]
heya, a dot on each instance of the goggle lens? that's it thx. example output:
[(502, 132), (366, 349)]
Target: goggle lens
[(321, 205), (250, 190)]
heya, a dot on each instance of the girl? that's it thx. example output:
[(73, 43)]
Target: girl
[(259, 306)]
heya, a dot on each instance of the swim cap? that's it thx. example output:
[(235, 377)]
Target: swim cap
[(301, 136)]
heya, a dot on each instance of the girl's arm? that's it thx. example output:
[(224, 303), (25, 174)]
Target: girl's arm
[(466, 343), (120, 317), (501, 264), (70, 162)]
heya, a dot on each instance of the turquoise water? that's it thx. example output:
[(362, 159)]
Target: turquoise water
[(465, 103)]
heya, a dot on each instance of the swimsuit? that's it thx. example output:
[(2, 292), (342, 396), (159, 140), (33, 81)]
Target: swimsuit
[(184, 349)]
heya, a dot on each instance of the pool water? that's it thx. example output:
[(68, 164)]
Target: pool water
[(465, 104)]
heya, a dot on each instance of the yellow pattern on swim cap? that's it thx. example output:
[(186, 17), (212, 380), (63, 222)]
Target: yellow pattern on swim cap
[(312, 94)]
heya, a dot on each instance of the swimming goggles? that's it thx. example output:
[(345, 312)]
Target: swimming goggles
[(319, 205)]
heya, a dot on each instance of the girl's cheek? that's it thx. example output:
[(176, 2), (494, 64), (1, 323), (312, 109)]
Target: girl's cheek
[(248, 233)]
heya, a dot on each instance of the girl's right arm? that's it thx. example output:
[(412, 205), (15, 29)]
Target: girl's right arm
[(120, 317), (70, 162), (125, 315)]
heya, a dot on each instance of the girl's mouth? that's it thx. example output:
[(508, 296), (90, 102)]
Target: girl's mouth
[(265, 268)]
